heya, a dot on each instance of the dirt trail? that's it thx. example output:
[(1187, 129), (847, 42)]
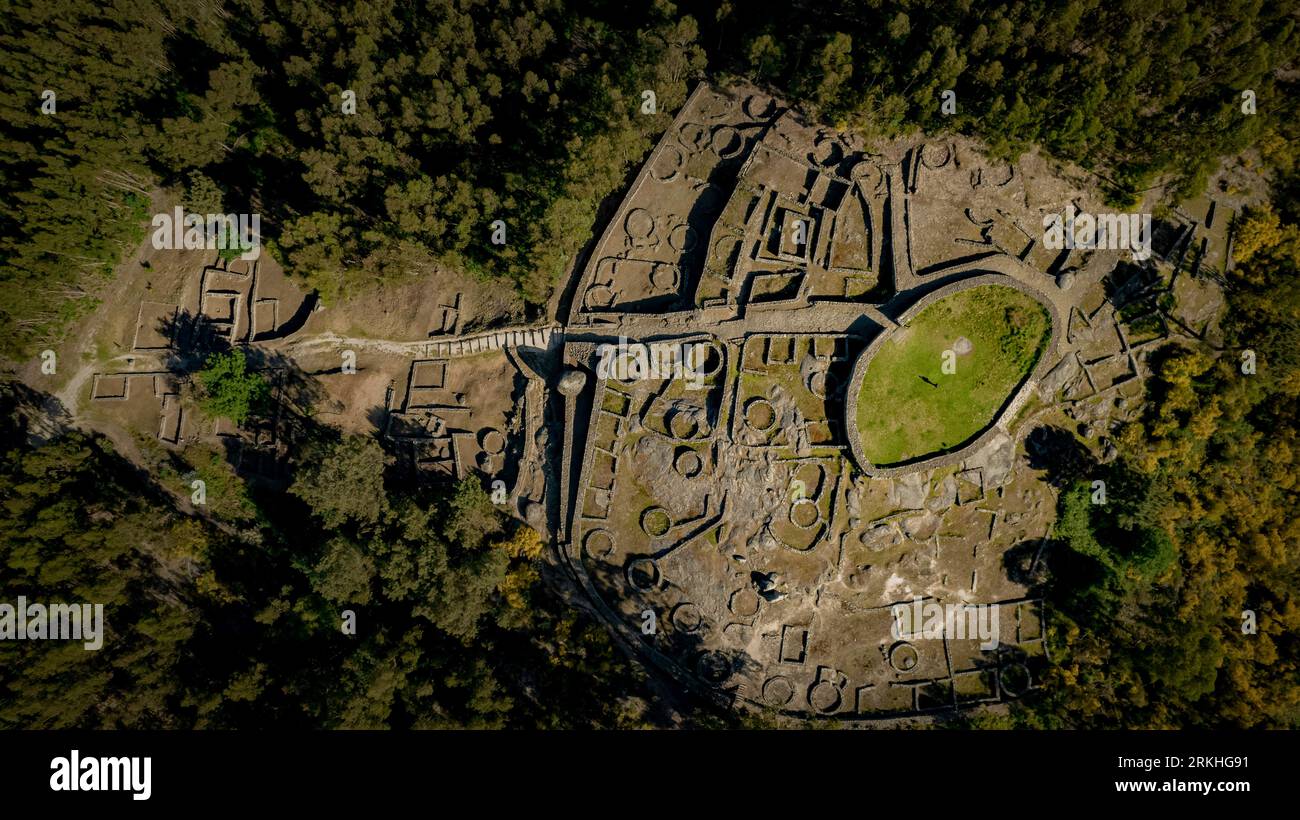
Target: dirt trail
[(493, 339), (70, 394), (330, 340)]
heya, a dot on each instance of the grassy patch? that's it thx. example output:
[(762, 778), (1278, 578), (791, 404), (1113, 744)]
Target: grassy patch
[(909, 407)]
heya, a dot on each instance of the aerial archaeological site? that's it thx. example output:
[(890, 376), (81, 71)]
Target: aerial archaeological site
[(799, 383), (549, 367), (887, 346)]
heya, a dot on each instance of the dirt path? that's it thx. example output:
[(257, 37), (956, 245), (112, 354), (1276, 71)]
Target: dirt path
[(491, 340), (70, 394), (330, 341)]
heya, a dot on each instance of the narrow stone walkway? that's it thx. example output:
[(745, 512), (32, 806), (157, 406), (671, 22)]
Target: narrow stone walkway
[(446, 347), (452, 347)]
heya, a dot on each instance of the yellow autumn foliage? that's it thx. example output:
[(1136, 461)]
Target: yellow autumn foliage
[(525, 543)]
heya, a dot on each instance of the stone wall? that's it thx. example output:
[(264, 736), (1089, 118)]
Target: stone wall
[(1045, 360)]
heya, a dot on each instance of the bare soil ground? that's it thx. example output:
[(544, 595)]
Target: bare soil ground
[(413, 309)]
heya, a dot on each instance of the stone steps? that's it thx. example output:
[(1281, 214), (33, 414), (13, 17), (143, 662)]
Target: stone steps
[(492, 340)]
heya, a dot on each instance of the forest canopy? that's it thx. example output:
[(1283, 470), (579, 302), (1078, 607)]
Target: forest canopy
[(382, 138)]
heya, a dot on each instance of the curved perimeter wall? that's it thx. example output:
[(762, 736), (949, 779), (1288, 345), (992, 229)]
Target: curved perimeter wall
[(948, 457)]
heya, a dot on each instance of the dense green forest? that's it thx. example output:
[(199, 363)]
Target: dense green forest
[(1177, 602), (529, 111), (466, 112), (1136, 90), (237, 617)]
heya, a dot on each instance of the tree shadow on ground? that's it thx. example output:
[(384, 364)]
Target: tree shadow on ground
[(378, 416), (1060, 453), (296, 399), (1026, 562), (191, 338), (709, 671)]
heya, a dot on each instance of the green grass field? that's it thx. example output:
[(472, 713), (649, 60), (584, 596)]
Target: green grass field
[(909, 407)]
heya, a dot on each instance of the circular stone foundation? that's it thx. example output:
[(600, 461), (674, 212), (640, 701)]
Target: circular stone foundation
[(821, 383), (492, 441), (826, 151), (824, 697), (708, 362), (744, 603), (666, 166), (655, 521), (599, 544), (778, 690), (683, 238), (687, 617), (903, 657), (936, 155), (727, 142), (598, 296), (640, 225), (760, 415), (759, 106), (804, 513), (663, 277), (1015, 680), (687, 463), (868, 177), (642, 574), (694, 136), (684, 424)]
